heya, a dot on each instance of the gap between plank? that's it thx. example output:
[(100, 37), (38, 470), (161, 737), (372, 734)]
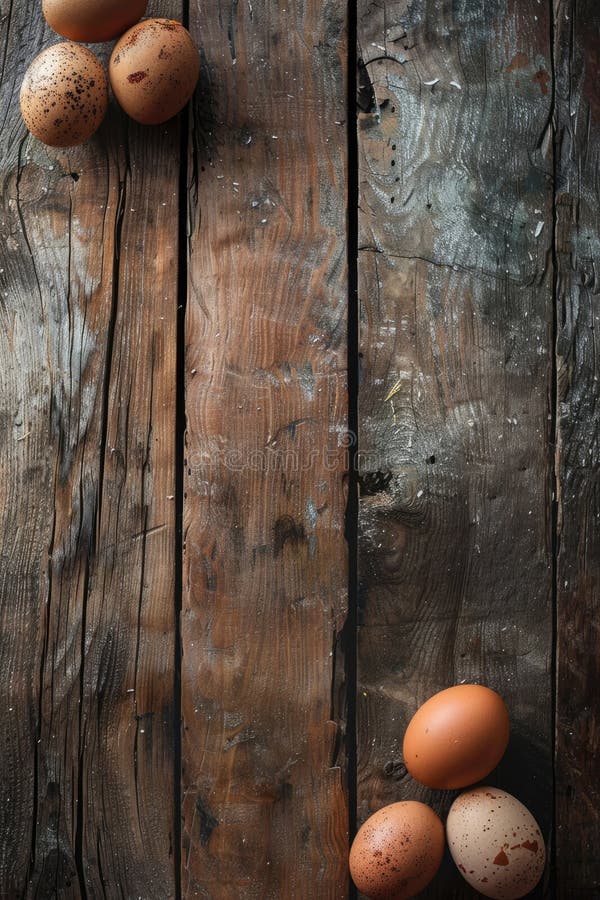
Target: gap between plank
[(351, 628), (554, 466), (180, 427)]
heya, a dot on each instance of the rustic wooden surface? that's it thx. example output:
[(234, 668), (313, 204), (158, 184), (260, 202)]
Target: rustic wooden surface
[(455, 262), (173, 450), (577, 59)]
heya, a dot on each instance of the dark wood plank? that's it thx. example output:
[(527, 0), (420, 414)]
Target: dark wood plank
[(25, 464), (88, 369), (265, 574), (128, 675), (578, 572), (456, 288)]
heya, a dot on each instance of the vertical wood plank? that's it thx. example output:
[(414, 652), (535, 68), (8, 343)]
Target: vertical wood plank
[(455, 278), (127, 754), (25, 466), (265, 571), (578, 572), (89, 339)]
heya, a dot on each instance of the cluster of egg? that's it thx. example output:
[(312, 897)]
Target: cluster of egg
[(454, 740), (153, 70)]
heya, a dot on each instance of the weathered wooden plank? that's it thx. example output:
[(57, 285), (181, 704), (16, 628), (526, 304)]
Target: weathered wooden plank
[(578, 571), (455, 282), (89, 345), (265, 572), (25, 466), (128, 674)]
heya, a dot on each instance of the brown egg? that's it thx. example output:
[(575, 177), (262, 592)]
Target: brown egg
[(397, 851), (64, 95), (457, 737), (91, 21), (154, 69), (496, 843)]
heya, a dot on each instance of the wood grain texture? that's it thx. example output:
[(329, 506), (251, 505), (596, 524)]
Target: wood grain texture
[(578, 574), (455, 279), (87, 350), (265, 569), (25, 465)]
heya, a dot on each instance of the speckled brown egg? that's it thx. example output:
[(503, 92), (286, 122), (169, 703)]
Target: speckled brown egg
[(64, 95), (397, 851), (496, 843), (91, 21), (456, 737), (154, 69)]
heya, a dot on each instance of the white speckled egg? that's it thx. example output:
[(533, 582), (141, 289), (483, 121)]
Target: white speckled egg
[(496, 843), (64, 95)]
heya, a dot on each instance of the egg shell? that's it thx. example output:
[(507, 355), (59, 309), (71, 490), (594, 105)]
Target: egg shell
[(496, 843), (64, 95), (397, 851), (91, 21), (154, 69), (456, 737)]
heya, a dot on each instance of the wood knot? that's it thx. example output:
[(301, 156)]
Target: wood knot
[(395, 769), (372, 483)]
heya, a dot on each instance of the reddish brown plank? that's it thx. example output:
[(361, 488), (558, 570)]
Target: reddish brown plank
[(265, 574), (456, 290), (88, 617), (578, 574)]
